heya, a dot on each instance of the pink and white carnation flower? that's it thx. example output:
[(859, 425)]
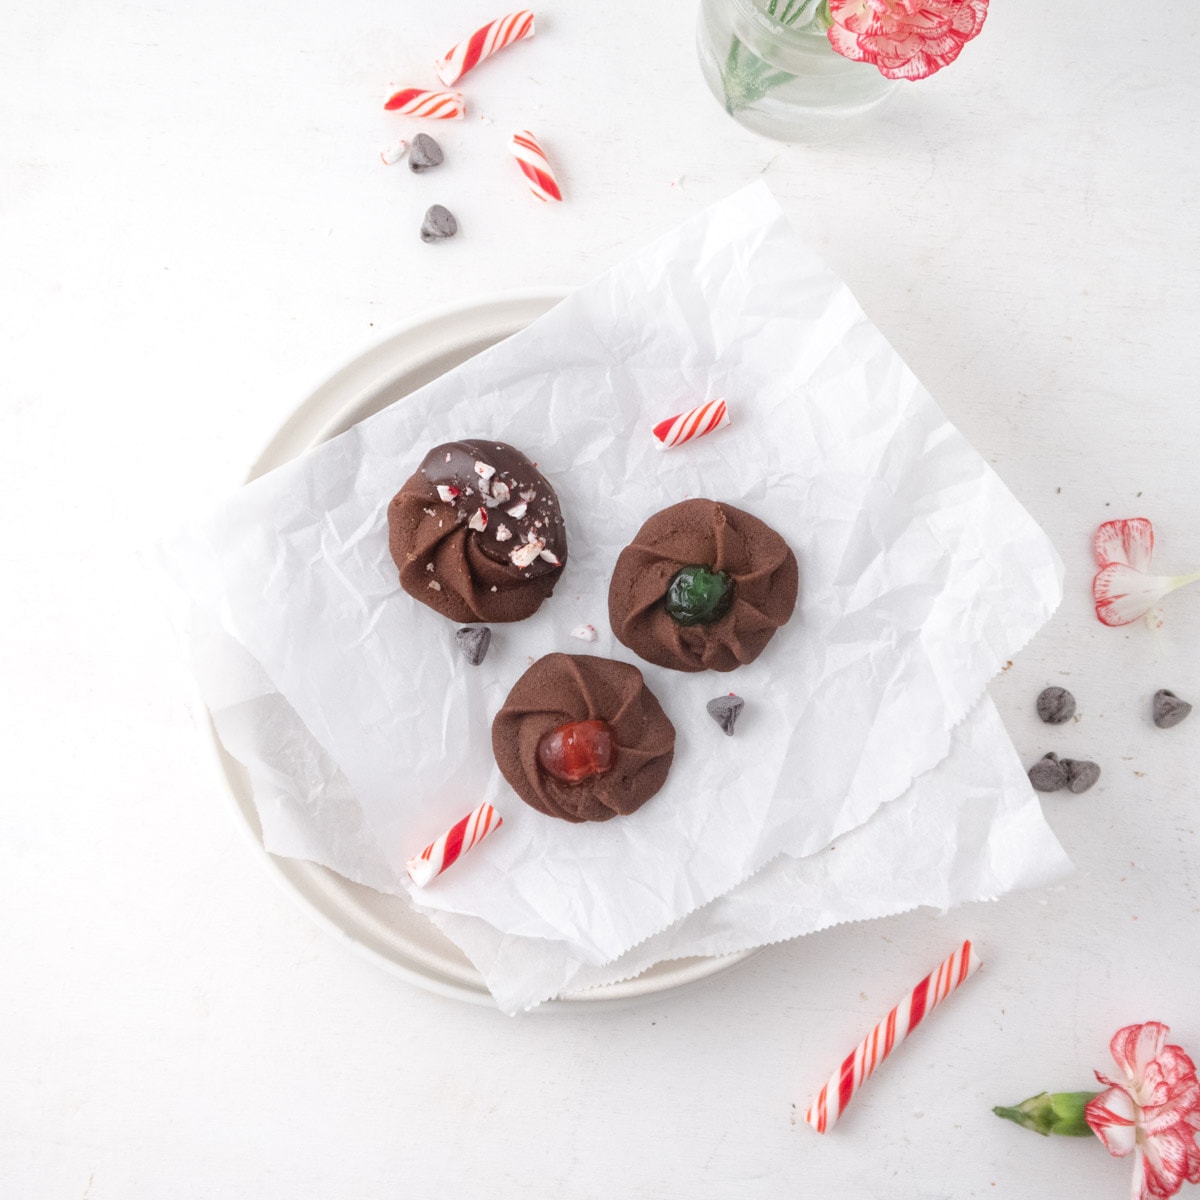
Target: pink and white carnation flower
[(1152, 1111), (905, 39)]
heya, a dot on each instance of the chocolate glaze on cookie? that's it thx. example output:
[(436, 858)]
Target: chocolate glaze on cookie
[(477, 534), (762, 576), (563, 688)]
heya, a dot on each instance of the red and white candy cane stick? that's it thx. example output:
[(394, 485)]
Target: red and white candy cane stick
[(483, 43), (859, 1065), (674, 431), (531, 158), (438, 106), (453, 844)]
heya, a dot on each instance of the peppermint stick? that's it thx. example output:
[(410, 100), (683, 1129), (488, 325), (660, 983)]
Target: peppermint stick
[(453, 844), (860, 1064)]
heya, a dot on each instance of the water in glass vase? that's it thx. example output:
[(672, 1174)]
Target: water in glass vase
[(771, 66)]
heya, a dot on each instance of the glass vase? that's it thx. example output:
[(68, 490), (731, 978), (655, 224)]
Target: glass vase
[(771, 66)]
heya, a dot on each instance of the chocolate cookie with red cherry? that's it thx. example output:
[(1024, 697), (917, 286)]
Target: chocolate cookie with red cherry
[(583, 738)]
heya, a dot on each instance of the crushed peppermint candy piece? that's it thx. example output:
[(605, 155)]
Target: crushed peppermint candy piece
[(484, 471), (524, 555), (503, 533), (473, 641), (550, 557), (483, 43), (479, 520), (394, 153), (448, 492), (585, 633), (417, 102), (434, 586), (500, 491), (517, 511), (725, 710), (674, 431), (429, 566)]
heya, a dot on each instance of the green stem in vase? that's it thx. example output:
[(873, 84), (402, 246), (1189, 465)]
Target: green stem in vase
[(746, 77)]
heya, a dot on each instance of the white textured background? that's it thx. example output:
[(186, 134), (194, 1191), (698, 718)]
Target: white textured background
[(194, 230)]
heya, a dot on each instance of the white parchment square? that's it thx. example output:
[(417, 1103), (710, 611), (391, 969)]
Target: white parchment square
[(920, 576)]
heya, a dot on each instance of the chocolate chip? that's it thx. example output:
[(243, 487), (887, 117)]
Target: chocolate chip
[(439, 223), (424, 153), (1056, 706), (473, 641), (725, 710), (1048, 774), (1169, 710), (1081, 774)]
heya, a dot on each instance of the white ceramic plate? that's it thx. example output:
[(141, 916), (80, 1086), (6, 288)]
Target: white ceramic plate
[(384, 927)]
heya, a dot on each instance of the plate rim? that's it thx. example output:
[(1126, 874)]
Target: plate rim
[(310, 422)]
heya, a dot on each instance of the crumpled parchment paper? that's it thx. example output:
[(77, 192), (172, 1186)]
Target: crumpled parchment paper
[(920, 576)]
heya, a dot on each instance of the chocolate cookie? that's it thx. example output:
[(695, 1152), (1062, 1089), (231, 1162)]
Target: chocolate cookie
[(477, 534), (583, 738), (703, 586)]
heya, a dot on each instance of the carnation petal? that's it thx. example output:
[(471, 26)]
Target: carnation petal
[(846, 44), (1130, 542), (1135, 1047), (1165, 1164), (1124, 595), (1112, 1116)]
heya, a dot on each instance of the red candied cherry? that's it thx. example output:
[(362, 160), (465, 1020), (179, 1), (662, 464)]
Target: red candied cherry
[(577, 751)]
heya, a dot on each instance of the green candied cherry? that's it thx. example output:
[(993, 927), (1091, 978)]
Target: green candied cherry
[(699, 596)]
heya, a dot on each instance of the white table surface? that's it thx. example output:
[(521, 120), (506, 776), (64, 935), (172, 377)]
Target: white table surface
[(195, 229)]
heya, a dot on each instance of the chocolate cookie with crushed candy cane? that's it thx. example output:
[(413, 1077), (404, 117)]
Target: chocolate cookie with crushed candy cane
[(477, 534)]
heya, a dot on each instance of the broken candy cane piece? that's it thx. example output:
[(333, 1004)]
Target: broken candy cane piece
[(692, 424), (860, 1064), (394, 153), (523, 555), (437, 106), (453, 844), (585, 633), (479, 520), (535, 166), (483, 43)]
